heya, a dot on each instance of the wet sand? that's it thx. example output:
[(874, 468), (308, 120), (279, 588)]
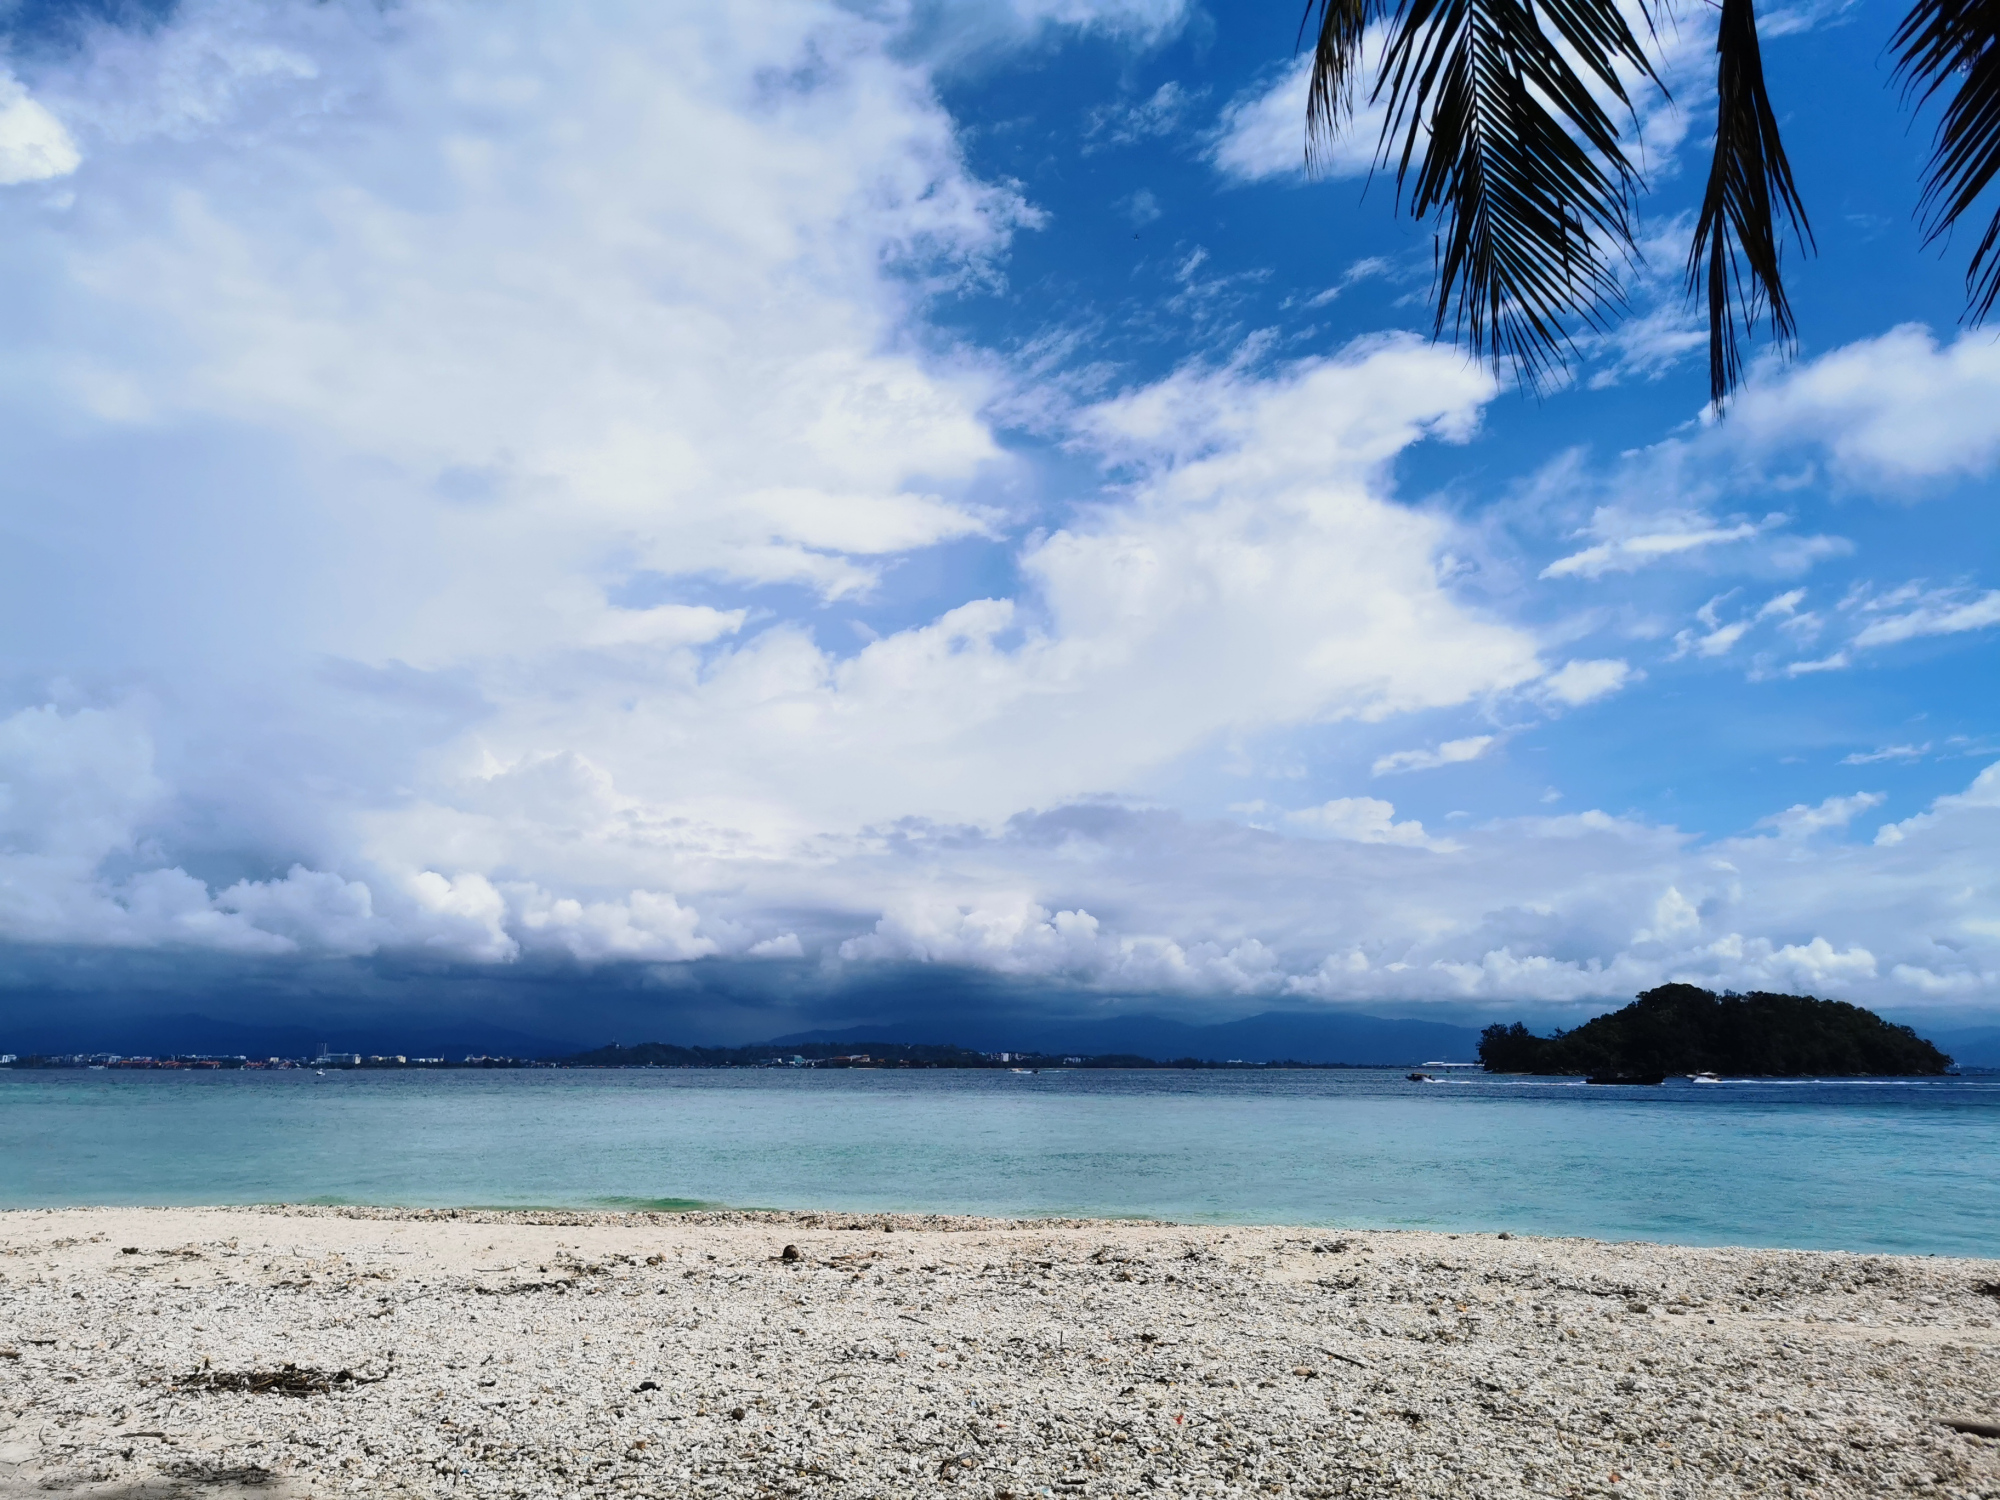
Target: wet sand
[(145, 1353)]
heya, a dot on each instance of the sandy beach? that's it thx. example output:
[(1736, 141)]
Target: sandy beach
[(303, 1352)]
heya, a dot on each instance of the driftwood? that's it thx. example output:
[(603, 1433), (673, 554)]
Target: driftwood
[(289, 1381), (1977, 1426)]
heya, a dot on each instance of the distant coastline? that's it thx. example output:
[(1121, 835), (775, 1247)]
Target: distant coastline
[(659, 1055), (1675, 1029)]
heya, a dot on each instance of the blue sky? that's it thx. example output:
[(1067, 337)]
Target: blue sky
[(837, 495)]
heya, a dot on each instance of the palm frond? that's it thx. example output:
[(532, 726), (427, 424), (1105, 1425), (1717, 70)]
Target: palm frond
[(1505, 142), (1737, 244), (1941, 40), (1343, 24)]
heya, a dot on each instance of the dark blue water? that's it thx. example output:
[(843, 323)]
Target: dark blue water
[(1904, 1166)]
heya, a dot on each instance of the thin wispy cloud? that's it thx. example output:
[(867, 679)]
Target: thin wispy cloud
[(1450, 753)]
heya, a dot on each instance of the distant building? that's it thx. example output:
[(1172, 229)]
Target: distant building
[(5, 1058)]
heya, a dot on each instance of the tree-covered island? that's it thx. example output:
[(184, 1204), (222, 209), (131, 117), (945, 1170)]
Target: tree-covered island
[(1679, 1028)]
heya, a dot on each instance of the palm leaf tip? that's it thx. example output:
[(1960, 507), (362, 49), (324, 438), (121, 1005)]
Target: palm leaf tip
[(1737, 246), (1940, 41), (1342, 28), (1502, 132)]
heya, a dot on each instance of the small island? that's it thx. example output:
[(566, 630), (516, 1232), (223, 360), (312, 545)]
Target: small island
[(1680, 1028)]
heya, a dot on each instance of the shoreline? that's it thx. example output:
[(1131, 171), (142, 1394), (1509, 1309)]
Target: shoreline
[(569, 1353), (668, 1212)]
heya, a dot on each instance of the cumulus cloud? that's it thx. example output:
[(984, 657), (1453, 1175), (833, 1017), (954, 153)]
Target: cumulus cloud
[(1581, 907), (1366, 820), (1899, 415), (477, 395), (443, 477), (1896, 410)]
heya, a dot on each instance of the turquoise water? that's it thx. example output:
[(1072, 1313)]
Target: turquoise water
[(1903, 1166)]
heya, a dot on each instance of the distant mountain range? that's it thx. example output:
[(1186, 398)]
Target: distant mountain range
[(1273, 1036)]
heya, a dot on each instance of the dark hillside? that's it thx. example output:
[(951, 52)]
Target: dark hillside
[(1678, 1028)]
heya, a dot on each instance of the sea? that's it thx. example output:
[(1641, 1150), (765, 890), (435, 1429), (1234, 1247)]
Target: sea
[(1900, 1165)]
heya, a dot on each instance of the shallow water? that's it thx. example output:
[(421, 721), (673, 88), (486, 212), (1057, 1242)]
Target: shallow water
[(1864, 1165)]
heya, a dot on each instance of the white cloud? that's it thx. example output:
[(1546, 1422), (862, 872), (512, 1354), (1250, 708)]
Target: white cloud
[(1895, 410), (1898, 415), (1450, 753), (1126, 123), (1146, 21), (1633, 550), (1576, 683), (645, 925), (1801, 821), (412, 484), (1142, 207), (1366, 820), (1718, 637), (1935, 612), (1886, 753), (488, 371), (1880, 619), (34, 146), (1262, 133)]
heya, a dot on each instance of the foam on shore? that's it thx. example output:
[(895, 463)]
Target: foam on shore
[(143, 1353)]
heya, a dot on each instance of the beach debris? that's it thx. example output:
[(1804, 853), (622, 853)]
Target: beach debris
[(244, 1474), (290, 1380), (738, 1414), (1977, 1426), (790, 1254), (646, 1385)]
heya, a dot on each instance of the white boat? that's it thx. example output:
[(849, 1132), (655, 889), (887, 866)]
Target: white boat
[(1703, 1078)]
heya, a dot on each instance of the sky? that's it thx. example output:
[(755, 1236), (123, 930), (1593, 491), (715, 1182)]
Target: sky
[(779, 513)]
